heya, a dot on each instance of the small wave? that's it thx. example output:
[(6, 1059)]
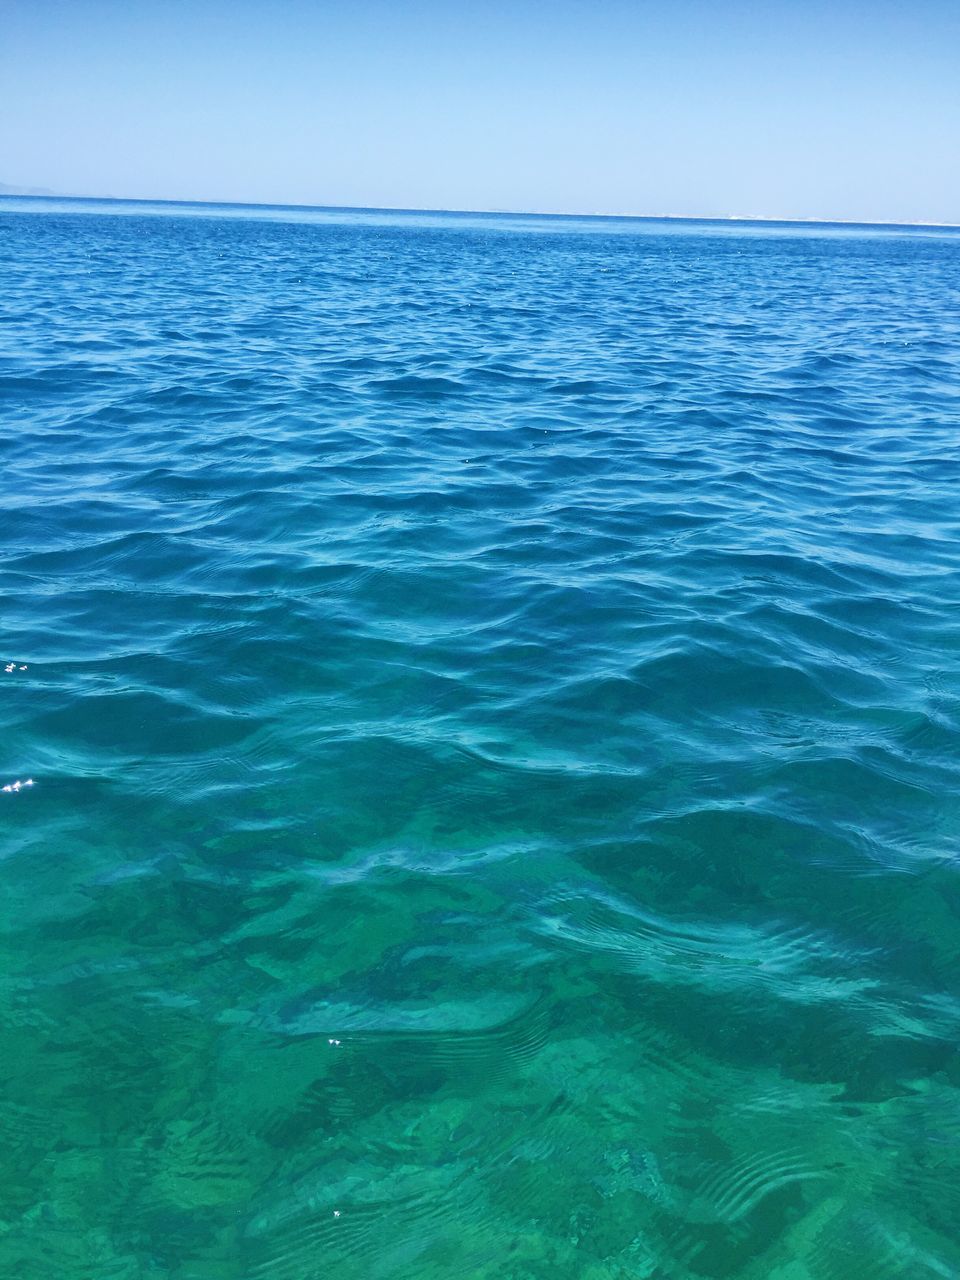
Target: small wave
[(418, 386)]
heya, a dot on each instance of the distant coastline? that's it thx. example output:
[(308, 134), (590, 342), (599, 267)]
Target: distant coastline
[(7, 190), (43, 193)]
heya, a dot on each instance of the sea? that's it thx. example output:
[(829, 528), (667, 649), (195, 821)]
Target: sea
[(480, 707)]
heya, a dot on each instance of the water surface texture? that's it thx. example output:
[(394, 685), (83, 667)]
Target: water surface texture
[(490, 693)]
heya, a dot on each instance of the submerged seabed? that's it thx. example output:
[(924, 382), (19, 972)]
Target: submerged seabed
[(491, 693)]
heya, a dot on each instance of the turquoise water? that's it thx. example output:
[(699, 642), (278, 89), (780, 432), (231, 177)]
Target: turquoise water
[(490, 691)]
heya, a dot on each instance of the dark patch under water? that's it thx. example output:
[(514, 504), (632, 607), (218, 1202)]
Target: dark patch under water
[(490, 693)]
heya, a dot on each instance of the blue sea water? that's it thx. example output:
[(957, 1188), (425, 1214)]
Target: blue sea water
[(489, 693)]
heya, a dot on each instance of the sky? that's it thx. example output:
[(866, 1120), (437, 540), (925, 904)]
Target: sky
[(847, 109)]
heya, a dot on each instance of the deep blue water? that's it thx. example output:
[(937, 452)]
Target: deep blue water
[(489, 687)]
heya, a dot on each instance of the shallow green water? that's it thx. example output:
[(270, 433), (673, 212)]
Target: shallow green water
[(491, 700)]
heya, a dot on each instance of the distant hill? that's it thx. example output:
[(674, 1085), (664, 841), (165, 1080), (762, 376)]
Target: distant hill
[(7, 190)]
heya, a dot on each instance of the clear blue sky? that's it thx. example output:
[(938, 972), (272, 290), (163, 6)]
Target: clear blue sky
[(848, 109)]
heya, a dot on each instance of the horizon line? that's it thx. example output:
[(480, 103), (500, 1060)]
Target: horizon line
[(35, 194)]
